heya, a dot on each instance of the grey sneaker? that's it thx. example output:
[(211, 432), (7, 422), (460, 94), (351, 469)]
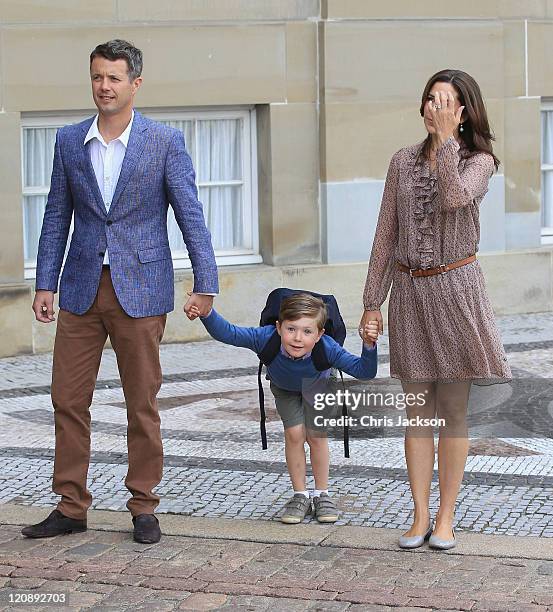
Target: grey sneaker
[(296, 509), (324, 509)]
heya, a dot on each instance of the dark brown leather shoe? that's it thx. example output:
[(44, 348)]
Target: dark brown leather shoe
[(146, 529), (55, 524)]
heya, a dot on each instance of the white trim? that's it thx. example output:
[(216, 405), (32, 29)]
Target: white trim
[(191, 115), (546, 232), (53, 121), (526, 87), (253, 184), (220, 184), (226, 260)]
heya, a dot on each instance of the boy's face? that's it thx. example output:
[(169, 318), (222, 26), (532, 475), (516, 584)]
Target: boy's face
[(300, 336)]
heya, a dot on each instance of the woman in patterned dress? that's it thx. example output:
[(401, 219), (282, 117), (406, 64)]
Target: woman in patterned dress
[(442, 329)]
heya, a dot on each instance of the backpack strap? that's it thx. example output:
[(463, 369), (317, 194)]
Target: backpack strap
[(270, 350), (266, 356), (345, 414), (319, 357), (261, 408)]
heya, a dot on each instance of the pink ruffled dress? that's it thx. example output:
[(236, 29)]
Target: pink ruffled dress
[(441, 328)]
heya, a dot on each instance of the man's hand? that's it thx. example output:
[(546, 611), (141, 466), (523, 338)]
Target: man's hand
[(43, 306), (198, 305)]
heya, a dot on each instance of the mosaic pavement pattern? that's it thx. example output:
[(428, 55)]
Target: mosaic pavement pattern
[(215, 465)]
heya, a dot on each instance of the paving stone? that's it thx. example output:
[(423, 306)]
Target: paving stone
[(126, 596), (96, 566), (157, 605), (117, 579), (26, 583), (89, 550), (367, 597), (442, 603), (204, 601), (96, 588), (64, 573), (168, 595), (186, 584), (82, 599)]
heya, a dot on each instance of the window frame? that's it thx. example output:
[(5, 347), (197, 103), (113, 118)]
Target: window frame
[(250, 212), (546, 232), (250, 218), (45, 120)]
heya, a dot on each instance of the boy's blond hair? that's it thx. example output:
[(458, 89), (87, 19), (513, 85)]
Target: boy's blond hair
[(303, 305)]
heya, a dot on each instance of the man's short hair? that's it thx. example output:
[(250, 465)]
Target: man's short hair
[(303, 305), (121, 49)]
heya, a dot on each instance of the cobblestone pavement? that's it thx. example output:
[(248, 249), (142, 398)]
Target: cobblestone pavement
[(104, 570), (215, 466)]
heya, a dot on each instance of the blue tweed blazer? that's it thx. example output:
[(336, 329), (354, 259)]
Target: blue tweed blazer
[(156, 172)]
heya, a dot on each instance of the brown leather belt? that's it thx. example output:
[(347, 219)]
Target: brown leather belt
[(418, 272)]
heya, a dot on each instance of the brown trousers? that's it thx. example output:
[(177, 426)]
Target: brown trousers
[(77, 353)]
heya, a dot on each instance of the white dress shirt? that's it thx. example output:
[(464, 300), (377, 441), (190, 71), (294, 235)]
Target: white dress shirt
[(107, 160)]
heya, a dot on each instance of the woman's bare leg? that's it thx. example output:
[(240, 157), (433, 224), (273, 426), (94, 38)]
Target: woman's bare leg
[(451, 404), (419, 455)]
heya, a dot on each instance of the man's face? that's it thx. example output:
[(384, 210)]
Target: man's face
[(112, 90)]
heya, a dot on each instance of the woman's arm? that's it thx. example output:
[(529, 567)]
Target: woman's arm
[(379, 275), (455, 189)]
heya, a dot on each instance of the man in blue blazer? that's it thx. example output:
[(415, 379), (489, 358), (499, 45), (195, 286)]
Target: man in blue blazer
[(115, 175)]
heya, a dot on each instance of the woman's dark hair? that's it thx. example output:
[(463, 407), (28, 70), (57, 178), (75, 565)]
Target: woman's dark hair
[(476, 133), (121, 49)]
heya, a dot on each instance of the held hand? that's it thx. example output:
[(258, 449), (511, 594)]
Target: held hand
[(43, 306), (374, 317), (445, 118), (198, 305), (370, 331), (194, 313)]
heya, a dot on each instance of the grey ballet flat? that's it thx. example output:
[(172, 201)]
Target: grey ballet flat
[(439, 544), (415, 541)]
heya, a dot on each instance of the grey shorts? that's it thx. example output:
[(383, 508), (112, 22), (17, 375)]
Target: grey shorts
[(290, 406)]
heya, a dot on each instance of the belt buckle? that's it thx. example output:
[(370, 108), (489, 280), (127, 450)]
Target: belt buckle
[(411, 270), (442, 268)]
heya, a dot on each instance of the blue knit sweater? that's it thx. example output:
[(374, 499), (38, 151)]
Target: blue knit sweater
[(285, 372)]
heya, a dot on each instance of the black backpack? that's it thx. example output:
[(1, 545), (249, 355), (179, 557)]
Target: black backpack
[(334, 327)]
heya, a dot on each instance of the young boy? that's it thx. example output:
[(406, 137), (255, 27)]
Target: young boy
[(300, 326)]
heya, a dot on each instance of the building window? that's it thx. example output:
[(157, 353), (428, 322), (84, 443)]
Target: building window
[(547, 174), (222, 146)]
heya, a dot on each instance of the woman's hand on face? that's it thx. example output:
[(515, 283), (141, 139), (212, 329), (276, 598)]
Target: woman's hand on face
[(365, 330), (444, 117)]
